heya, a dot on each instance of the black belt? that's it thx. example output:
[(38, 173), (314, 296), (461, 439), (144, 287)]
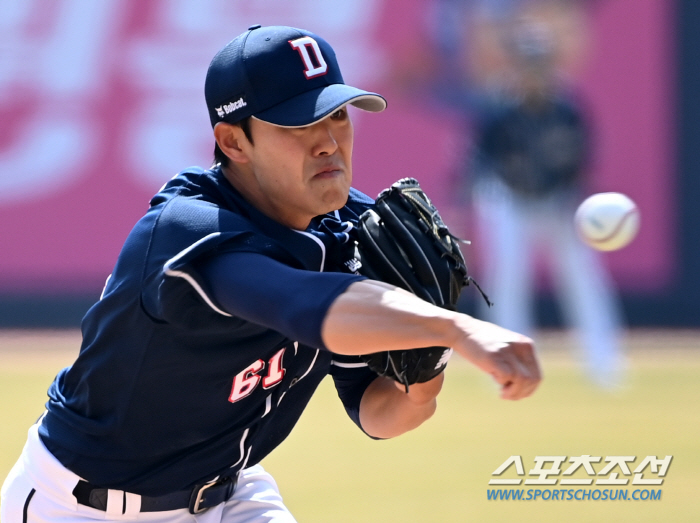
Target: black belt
[(196, 500)]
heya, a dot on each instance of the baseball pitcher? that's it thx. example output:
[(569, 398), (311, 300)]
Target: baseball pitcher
[(237, 292)]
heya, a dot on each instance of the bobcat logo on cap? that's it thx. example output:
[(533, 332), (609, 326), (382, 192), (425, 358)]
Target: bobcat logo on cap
[(230, 107), (307, 46)]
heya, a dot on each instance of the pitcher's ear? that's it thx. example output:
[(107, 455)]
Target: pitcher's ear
[(231, 140)]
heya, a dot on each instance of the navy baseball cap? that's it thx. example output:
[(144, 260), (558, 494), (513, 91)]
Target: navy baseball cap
[(281, 75)]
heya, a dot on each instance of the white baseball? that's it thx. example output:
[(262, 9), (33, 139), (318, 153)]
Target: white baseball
[(607, 221)]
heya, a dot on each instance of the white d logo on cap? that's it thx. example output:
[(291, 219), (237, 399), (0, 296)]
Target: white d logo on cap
[(303, 45)]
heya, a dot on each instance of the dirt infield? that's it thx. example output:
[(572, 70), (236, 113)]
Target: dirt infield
[(53, 348), (36, 349), (641, 345)]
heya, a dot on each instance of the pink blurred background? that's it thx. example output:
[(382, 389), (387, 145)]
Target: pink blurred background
[(102, 102)]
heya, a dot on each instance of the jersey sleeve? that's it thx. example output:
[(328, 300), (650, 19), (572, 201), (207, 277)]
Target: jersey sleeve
[(172, 289), (351, 377), (209, 267), (267, 292)]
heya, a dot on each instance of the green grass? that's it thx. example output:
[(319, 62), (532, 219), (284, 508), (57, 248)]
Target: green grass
[(329, 471)]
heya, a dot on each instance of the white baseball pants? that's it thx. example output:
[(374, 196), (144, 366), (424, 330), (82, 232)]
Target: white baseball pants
[(39, 489), (515, 234)]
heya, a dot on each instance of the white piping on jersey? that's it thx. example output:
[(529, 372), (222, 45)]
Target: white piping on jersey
[(348, 365), (246, 457), (185, 276), (242, 447), (348, 226), (310, 366), (296, 347), (193, 246), (268, 405), (188, 278), (320, 244), (281, 396), (104, 289), (302, 376)]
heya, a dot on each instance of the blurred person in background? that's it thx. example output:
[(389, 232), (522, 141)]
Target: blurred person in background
[(507, 66), (531, 155)]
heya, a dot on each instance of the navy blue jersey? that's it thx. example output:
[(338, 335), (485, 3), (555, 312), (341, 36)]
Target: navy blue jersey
[(174, 385), (535, 151)]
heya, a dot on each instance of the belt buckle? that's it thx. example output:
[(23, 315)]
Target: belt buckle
[(198, 494)]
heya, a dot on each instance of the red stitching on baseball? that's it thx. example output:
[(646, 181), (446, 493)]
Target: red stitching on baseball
[(617, 229)]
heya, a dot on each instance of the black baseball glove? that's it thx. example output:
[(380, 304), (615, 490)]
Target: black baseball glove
[(403, 241)]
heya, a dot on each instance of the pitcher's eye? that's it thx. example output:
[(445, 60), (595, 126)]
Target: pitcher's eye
[(340, 114)]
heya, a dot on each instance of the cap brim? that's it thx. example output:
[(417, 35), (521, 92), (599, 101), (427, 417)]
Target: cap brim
[(312, 106)]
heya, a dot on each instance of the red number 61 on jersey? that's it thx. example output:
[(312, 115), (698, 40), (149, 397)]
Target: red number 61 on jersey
[(244, 382)]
